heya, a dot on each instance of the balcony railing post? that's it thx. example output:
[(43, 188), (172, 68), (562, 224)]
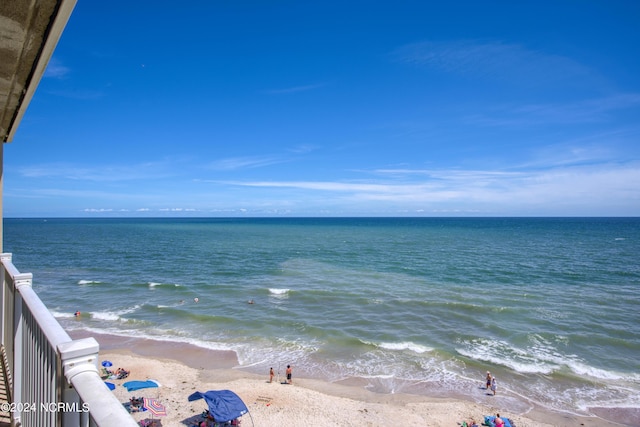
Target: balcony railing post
[(19, 280), (80, 365), (77, 357), (4, 295), (8, 292)]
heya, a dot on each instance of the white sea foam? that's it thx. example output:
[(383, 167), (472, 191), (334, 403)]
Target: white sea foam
[(502, 353), (210, 345), (59, 314), (379, 376), (583, 369), (397, 366), (115, 315), (408, 345), (159, 335), (88, 282), (105, 315), (153, 285), (539, 358), (178, 304), (129, 309), (276, 291)]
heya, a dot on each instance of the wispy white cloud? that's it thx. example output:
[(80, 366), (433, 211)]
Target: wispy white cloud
[(303, 149), (574, 153), (320, 186), (249, 162), (65, 193), (561, 189), (492, 59), (105, 173), (582, 188), (294, 89), (587, 111), (55, 69), (98, 210), (79, 94), (140, 210), (449, 173)]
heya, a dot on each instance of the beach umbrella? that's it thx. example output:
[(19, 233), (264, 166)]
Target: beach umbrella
[(154, 407), (224, 405), (139, 385), (111, 386), (107, 364)]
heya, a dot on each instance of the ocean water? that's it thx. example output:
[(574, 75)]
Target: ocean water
[(551, 306)]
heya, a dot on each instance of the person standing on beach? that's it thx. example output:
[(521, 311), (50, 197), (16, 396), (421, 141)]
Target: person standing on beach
[(488, 380), (289, 380), (494, 385), (271, 375)]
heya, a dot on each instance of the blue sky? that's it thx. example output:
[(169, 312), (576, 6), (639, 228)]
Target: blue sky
[(335, 108)]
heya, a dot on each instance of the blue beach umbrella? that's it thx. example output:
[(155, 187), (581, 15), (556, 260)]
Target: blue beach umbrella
[(224, 405), (111, 386), (107, 364)]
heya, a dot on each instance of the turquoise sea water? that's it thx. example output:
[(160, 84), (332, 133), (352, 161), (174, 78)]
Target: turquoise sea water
[(550, 306)]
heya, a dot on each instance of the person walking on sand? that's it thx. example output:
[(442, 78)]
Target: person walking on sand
[(488, 380), (271, 375), (289, 380), (494, 385)]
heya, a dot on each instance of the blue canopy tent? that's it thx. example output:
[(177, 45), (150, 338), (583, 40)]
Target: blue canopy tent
[(224, 405)]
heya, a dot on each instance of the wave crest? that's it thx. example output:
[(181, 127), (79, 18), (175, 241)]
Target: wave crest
[(407, 345), (88, 282)]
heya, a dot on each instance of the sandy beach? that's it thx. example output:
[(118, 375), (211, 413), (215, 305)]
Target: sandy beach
[(182, 369)]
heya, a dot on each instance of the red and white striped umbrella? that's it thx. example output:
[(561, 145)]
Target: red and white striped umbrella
[(154, 406)]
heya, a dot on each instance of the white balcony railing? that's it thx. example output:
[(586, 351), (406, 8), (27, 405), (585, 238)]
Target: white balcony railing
[(52, 380)]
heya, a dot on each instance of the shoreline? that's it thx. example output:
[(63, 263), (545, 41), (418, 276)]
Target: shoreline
[(183, 368)]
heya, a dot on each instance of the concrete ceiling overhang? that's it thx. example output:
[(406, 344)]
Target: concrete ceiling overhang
[(29, 32)]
